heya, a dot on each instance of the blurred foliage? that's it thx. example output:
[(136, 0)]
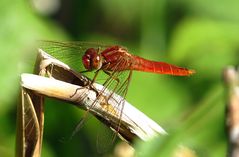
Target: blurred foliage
[(201, 34)]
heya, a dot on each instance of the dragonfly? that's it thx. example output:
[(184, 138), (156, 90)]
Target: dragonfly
[(117, 59), (112, 62)]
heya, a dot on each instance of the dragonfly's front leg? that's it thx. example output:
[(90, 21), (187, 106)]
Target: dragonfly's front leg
[(90, 85)]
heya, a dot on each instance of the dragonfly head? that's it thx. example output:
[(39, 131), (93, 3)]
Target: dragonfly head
[(92, 60)]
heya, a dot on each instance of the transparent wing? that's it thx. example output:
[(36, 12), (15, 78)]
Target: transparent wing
[(69, 52)]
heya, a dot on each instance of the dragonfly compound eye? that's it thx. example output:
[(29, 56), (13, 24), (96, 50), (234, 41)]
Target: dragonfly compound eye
[(97, 61), (86, 62), (92, 60)]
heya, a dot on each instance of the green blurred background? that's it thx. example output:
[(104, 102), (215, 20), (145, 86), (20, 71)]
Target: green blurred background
[(200, 34)]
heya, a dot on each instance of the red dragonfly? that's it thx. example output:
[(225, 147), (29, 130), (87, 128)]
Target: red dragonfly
[(117, 58), (116, 63)]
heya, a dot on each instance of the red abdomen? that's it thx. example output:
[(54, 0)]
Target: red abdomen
[(141, 64)]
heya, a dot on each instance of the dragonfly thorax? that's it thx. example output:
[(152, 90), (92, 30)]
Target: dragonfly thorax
[(92, 60)]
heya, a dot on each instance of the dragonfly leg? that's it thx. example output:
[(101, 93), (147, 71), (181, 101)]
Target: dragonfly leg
[(96, 74), (76, 91), (85, 71), (110, 74), (90, 85), (114, 78)]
